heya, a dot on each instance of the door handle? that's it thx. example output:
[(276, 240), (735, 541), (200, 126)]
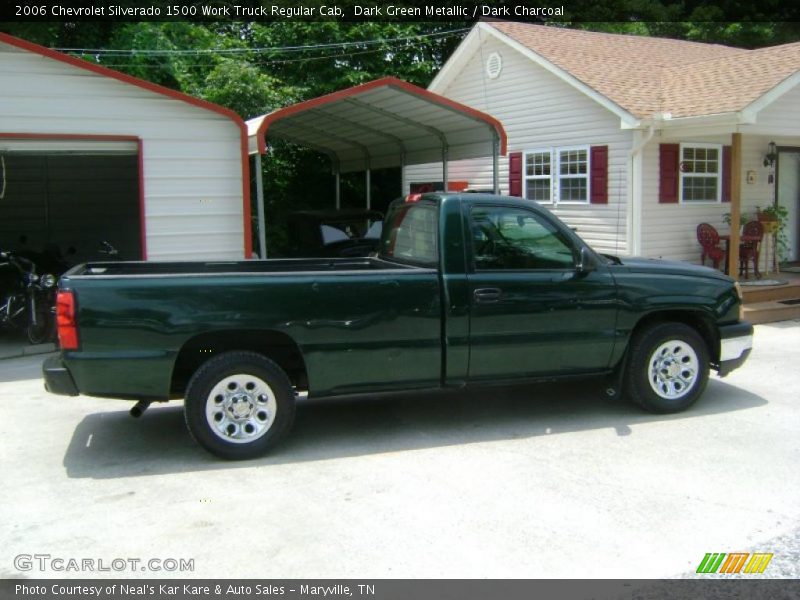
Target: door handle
[(487, 295)]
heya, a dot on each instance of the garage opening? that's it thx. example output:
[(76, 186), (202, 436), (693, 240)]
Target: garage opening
[(62, 199)]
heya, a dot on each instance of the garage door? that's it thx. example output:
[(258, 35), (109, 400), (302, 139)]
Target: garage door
[(69, 200)]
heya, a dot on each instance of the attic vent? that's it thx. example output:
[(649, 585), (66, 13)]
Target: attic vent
[(494, 64)]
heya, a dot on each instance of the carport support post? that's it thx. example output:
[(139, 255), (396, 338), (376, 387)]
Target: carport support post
[(338, 188), (496, 165), (402, 173), (736, 203), (445, 174), (368, 183), (262, 234)]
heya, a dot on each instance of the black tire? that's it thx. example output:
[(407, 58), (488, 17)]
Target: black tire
[(239, 423), (671, 358)]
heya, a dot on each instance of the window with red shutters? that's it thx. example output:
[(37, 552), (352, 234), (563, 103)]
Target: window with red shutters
[(726, 173), (668, 173), (515, 174), (598, 167)]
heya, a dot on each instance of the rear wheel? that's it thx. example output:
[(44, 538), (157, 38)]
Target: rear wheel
[(668, 368), (238, 405)]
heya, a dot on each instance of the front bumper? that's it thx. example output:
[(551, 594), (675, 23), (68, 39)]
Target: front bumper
[(735, 344), (57, 379)]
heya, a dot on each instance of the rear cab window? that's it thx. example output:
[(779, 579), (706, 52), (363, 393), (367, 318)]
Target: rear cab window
[(410, 233)]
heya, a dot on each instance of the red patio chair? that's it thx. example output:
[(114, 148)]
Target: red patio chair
[(750, 250), (709, 244)]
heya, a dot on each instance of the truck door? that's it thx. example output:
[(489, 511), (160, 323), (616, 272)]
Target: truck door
[(531, 312)]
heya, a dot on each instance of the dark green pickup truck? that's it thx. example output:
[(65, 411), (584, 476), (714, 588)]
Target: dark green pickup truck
[(465, 289)]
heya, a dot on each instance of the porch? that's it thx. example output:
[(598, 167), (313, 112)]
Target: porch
[(775, 297)]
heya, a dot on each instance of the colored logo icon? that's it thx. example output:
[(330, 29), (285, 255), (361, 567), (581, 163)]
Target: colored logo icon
[(734, 562)]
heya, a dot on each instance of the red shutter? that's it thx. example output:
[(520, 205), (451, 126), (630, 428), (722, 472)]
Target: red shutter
[(668, 167), (515, 174), (598, 165), (726, 173)]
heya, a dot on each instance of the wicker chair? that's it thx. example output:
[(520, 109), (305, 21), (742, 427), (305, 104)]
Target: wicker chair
[(750, 250), (709, 244)]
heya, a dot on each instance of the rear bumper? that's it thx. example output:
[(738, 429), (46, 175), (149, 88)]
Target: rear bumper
[(735, 344), (57, 379)]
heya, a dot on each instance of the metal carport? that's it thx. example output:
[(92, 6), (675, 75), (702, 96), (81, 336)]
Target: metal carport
[(383, 123)]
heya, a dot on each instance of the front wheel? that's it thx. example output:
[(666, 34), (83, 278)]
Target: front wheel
[(238, 405), (668, 368)]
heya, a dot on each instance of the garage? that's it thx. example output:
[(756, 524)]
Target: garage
[(91, 155), (69, 199)]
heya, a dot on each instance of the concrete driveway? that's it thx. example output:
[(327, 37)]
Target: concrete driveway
[(546, 481)]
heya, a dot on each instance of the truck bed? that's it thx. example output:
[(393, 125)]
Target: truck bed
[(256, 267), (379, 318)]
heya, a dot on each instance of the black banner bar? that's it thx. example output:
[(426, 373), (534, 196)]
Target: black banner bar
[(402, 10), (377, 589)]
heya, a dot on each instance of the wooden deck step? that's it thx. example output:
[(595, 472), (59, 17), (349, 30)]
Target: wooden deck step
[(771, 311), (756, 294)]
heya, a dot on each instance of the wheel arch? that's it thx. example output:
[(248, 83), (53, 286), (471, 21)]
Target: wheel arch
[(275, 345), (698, 320)]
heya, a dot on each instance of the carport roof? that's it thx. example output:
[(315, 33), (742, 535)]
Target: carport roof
[(384, 123)]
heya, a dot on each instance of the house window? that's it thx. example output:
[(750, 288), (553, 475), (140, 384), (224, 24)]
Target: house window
[(701, 173), (538, 185), (557, 175), (573, 174)]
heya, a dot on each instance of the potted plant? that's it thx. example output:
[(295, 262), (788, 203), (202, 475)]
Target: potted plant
[(773, 218), (768, 217)]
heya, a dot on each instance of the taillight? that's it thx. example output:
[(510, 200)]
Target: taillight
[(66, 321), (413, 198)]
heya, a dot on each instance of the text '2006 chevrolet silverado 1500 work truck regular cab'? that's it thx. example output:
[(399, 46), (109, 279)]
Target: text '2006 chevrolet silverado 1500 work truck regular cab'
[(465, 289)]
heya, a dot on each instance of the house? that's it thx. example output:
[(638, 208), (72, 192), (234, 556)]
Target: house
[(632, 140), (90, 154)]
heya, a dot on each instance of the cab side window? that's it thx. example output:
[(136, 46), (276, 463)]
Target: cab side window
[(512, 238)]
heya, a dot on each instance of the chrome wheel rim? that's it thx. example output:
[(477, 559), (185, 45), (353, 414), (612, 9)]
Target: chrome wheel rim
[(241, 408), (673, 369)]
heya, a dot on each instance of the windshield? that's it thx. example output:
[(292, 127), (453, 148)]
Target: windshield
[(410, 234)]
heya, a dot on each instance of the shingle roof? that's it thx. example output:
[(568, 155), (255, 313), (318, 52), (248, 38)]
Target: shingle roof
[(727, 84), (649, 75)]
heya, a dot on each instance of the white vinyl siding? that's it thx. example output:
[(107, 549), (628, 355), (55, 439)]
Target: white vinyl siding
[(191, 157), (539, 110), (781, 119)]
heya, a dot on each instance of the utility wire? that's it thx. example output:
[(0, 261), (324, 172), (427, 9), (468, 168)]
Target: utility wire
[(258, 60), (271, 50)]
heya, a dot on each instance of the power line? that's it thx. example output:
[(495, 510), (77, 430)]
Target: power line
[(271, 50), (260, 61)]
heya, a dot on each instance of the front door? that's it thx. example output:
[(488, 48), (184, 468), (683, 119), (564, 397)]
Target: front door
[(789, 197), (532, 313)]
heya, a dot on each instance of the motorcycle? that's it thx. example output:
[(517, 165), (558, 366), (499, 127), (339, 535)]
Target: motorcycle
[(28, 299)]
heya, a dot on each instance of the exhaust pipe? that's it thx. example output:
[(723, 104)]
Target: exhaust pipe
[(139, 408)]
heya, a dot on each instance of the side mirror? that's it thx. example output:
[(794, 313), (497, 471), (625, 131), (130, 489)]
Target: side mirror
[(585, 263)]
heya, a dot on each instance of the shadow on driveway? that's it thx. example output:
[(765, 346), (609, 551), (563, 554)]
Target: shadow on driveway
[(112, 444)]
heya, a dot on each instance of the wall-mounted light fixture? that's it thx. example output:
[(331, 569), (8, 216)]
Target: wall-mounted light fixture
[(771, 156)]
